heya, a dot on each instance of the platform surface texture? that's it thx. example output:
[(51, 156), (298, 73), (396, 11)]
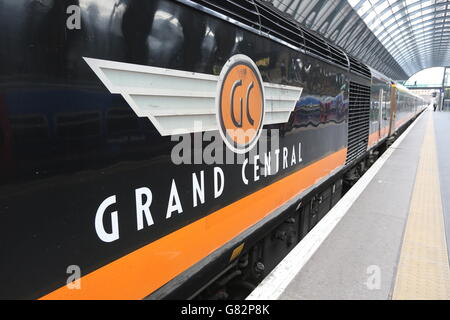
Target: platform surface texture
[(392, 240)]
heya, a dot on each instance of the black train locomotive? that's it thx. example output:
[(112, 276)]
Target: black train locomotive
[(108, 125)]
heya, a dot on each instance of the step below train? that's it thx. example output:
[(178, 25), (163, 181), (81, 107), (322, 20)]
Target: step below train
[(132, 136)]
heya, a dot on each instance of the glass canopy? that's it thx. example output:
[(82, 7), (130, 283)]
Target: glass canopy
[(396, 37), (415, 32)]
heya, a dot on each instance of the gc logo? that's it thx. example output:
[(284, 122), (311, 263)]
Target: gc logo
[(240, 104)]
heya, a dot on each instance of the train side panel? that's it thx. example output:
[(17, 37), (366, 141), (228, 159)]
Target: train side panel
[(408, 106), (75, 151)]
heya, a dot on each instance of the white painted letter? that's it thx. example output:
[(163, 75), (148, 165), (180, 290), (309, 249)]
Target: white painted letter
[(244, 165), (285, 158), (218, 190), (143, 208), (300, 159), (198, 189), (293, 160), (256, 168), (100, 228), (267, 164), (174, 197), (277, 155)]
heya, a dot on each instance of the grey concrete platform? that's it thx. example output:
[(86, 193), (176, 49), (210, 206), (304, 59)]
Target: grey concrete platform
[(367, 241), (359, 258)]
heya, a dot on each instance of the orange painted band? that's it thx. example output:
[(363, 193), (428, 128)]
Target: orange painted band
[(402, 121), (377, 136), (373, 138), (143, 271)]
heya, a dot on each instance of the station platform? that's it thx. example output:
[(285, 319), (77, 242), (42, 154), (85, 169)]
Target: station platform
[(388, 237)]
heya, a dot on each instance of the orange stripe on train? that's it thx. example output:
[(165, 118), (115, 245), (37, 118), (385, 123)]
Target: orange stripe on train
[(143, 271)]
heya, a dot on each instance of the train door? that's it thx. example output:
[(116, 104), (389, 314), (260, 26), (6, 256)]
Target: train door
[(386, 110), (393, 113), (381, 113)]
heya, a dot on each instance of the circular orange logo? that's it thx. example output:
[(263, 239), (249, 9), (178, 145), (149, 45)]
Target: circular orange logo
[(240, 104)]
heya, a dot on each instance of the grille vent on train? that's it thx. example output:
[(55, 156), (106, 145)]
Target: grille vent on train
[(243, 11), (285, 28), (359, 68), (358, 120), (278, 25), (315, 45), (338, 56), (264, 16)]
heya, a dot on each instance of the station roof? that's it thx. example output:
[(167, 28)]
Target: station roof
[(396, 37)]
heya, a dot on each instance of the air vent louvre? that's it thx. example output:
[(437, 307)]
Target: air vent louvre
[(274, 23), (263, 16), (359, 68), (358, 121), (316, 45), (243, 11), (338, 56)]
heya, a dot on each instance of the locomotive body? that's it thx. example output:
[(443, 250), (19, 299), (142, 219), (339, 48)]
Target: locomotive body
[(89, 178)]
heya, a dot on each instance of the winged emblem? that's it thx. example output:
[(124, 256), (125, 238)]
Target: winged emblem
[(177, 100)]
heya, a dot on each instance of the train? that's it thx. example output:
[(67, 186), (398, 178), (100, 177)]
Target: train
[(173, 149)]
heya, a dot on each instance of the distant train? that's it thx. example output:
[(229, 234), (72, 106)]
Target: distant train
[(132, 156)]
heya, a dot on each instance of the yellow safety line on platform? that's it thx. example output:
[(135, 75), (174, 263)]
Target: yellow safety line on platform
[(423, 271)]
